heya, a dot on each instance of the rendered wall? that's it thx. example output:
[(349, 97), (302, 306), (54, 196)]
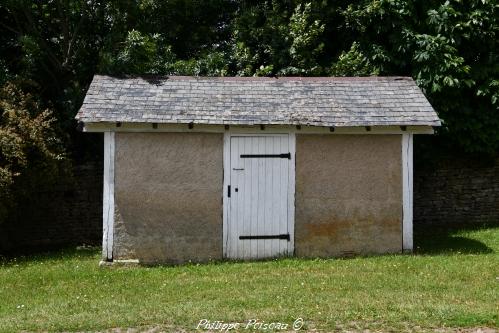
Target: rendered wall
[(348, 195), (168, 197)]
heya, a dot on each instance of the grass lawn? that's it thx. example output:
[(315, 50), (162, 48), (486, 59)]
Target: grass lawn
[(452, 281)]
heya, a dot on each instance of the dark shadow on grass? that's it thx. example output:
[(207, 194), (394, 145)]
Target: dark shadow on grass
[(61, 254), (445, 241), (451, 244), (430, 241)]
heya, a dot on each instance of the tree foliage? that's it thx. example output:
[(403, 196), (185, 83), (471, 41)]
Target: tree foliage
[(277, 38), (450, 47), (28, 141)]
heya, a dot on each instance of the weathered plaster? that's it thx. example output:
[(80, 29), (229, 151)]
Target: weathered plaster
[(168, 195), (348, 195)]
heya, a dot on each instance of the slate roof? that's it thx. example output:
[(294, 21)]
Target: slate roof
[(326, 101)]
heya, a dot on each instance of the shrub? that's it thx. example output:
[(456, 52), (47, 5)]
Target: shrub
[(29, 145)]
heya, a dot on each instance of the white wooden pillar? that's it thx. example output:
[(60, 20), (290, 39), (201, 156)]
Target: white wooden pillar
[(292, 194), (108, 197), (407, 194)]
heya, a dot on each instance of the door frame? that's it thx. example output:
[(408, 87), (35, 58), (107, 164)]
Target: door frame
[(226, 181)]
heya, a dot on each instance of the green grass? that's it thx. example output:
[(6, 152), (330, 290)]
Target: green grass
[(451, 281)]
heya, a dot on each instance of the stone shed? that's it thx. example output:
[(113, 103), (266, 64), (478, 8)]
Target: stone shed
[(199, 169)]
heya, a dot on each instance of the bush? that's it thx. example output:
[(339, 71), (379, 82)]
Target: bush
[(29, 146)]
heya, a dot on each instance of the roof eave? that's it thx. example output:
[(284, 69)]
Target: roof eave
[(107, 126)]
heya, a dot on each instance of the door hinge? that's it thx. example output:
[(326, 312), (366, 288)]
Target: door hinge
[(287, 155), (281, 236), (228, 191)]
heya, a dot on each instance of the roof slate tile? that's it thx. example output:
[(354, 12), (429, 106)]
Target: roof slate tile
[(326, 101)]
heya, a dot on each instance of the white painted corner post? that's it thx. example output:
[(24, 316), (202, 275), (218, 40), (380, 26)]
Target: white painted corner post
[(108, 197), (407, 194), (292, 194), (225, 199)]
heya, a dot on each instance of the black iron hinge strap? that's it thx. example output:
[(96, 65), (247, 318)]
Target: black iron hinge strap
[(287, 155), (282, 236)]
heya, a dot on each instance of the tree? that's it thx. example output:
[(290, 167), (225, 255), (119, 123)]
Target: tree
[(450, 48), (277, 38), (29, 145)]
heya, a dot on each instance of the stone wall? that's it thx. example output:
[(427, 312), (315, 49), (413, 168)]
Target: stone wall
[(70, 213), (456, 192)]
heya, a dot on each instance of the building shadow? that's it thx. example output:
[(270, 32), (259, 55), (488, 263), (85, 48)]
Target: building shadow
[(449, 241), (56, 254)]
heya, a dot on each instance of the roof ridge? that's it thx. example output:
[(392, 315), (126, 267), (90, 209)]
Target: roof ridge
[(148, 77)]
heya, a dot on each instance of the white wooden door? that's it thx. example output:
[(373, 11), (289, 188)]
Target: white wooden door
[(258, 196)]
